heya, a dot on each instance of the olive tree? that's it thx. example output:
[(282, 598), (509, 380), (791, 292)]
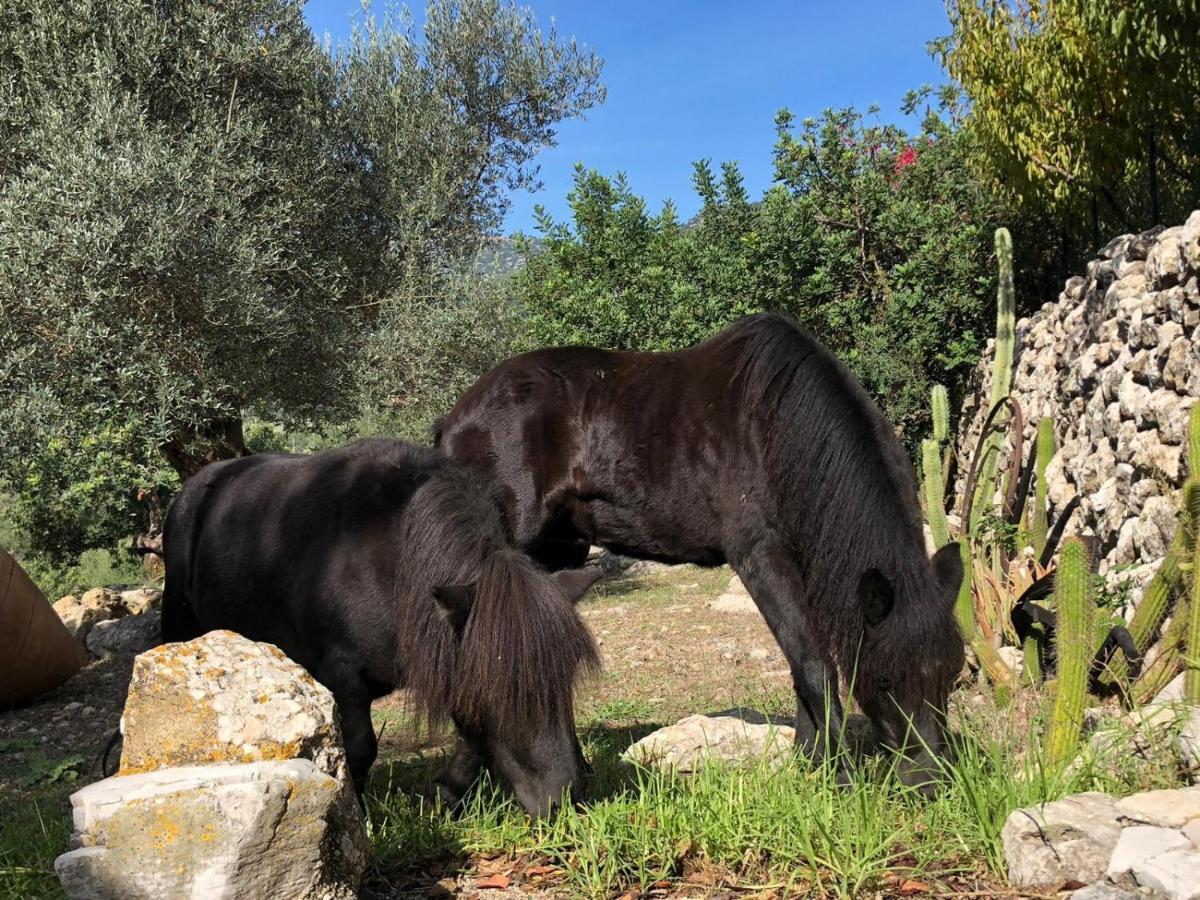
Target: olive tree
[(204, 213)]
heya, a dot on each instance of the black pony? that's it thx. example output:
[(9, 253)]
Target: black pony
[(757, 448), (382, 565)]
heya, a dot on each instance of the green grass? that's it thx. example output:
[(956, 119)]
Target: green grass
[(33, 831), (793, 828)]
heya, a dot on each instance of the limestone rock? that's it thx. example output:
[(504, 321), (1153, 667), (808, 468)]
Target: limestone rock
[(1068, 840), (78, 618), (1188, 741), (223, 698), (125, 637), (105, 601), (1140, 842), (1174, 874), (1165, 808), (274, 829), (736, 599), (141, 600), (684, 746)]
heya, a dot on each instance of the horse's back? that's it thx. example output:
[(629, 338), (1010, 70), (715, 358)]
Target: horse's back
[(294, 551)]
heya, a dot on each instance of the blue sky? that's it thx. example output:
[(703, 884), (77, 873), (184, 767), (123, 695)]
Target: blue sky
[(703, 79)]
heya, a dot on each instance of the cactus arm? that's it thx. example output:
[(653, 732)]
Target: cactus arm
[(1045, 452), (1074, 638), (1006, 332), (1194, 442), (1191, 647), (935, 511), (941, 414), (1031, 653)]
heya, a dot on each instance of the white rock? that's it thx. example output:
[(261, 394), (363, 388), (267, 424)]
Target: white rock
[(268, 829), (1188, 742), (1166, 263), (1170, 808), (125, 637), (1191, 831), (736, 599), (1069, 839), (79, 619), (1174, 874), (1140, 842), (684, 746), (1102, 890), (224, 698), (141, 600)]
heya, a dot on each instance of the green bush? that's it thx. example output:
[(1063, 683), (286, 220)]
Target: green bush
[(878, 240), (83, 490)]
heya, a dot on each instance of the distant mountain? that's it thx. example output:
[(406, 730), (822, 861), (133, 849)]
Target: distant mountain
[(500, 256)]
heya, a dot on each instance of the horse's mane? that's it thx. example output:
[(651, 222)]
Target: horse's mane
[(845, 485), (524, 643)]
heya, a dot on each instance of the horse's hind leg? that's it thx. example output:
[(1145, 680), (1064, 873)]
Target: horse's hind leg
[(353, 699), (770, 575)]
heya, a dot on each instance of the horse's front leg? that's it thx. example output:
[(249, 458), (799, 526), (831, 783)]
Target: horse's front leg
[(769, 573), (460, 773)]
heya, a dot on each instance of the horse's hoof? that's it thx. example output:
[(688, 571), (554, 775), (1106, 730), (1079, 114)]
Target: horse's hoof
[(437, 796)]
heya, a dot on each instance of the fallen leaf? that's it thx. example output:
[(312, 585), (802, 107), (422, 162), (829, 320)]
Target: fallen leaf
[(493, 882), (908, 887), (1072, 885), (542, 870)]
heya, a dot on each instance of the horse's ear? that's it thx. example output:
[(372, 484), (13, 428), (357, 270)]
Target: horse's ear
[(454, 602), (575, 582), (948, 567), (876, 595)]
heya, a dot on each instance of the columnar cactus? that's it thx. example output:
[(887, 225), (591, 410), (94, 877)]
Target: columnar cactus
[(1175, 637), (1191, 647), (1006, 332), (935, 512), (1194, 442), (1045, 452), (1031, 653), (941, 414), (1074, 640)]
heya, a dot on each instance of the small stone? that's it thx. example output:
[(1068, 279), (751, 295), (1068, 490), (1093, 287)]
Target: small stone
[(1165, 808), (1165, 263), (1102, 890), (684, 746), (1140, 842)]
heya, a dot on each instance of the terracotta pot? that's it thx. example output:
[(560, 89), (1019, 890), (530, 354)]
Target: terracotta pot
[(37, 652)]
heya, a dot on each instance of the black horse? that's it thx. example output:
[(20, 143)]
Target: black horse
[(382, 565), (757, 448)]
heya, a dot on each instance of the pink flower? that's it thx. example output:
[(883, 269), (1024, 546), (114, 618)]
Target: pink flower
[(907, 157)]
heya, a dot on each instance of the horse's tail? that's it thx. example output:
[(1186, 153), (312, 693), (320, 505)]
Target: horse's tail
[(182, 532), (108, 749)]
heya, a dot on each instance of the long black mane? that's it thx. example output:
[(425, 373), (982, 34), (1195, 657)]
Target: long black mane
[(845, 486), (522, 648)]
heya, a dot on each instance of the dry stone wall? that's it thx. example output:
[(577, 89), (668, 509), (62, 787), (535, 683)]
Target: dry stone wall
[(1115, 363)]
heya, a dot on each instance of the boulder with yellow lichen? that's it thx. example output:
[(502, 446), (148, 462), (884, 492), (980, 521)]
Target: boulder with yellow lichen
[(233, 783)]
